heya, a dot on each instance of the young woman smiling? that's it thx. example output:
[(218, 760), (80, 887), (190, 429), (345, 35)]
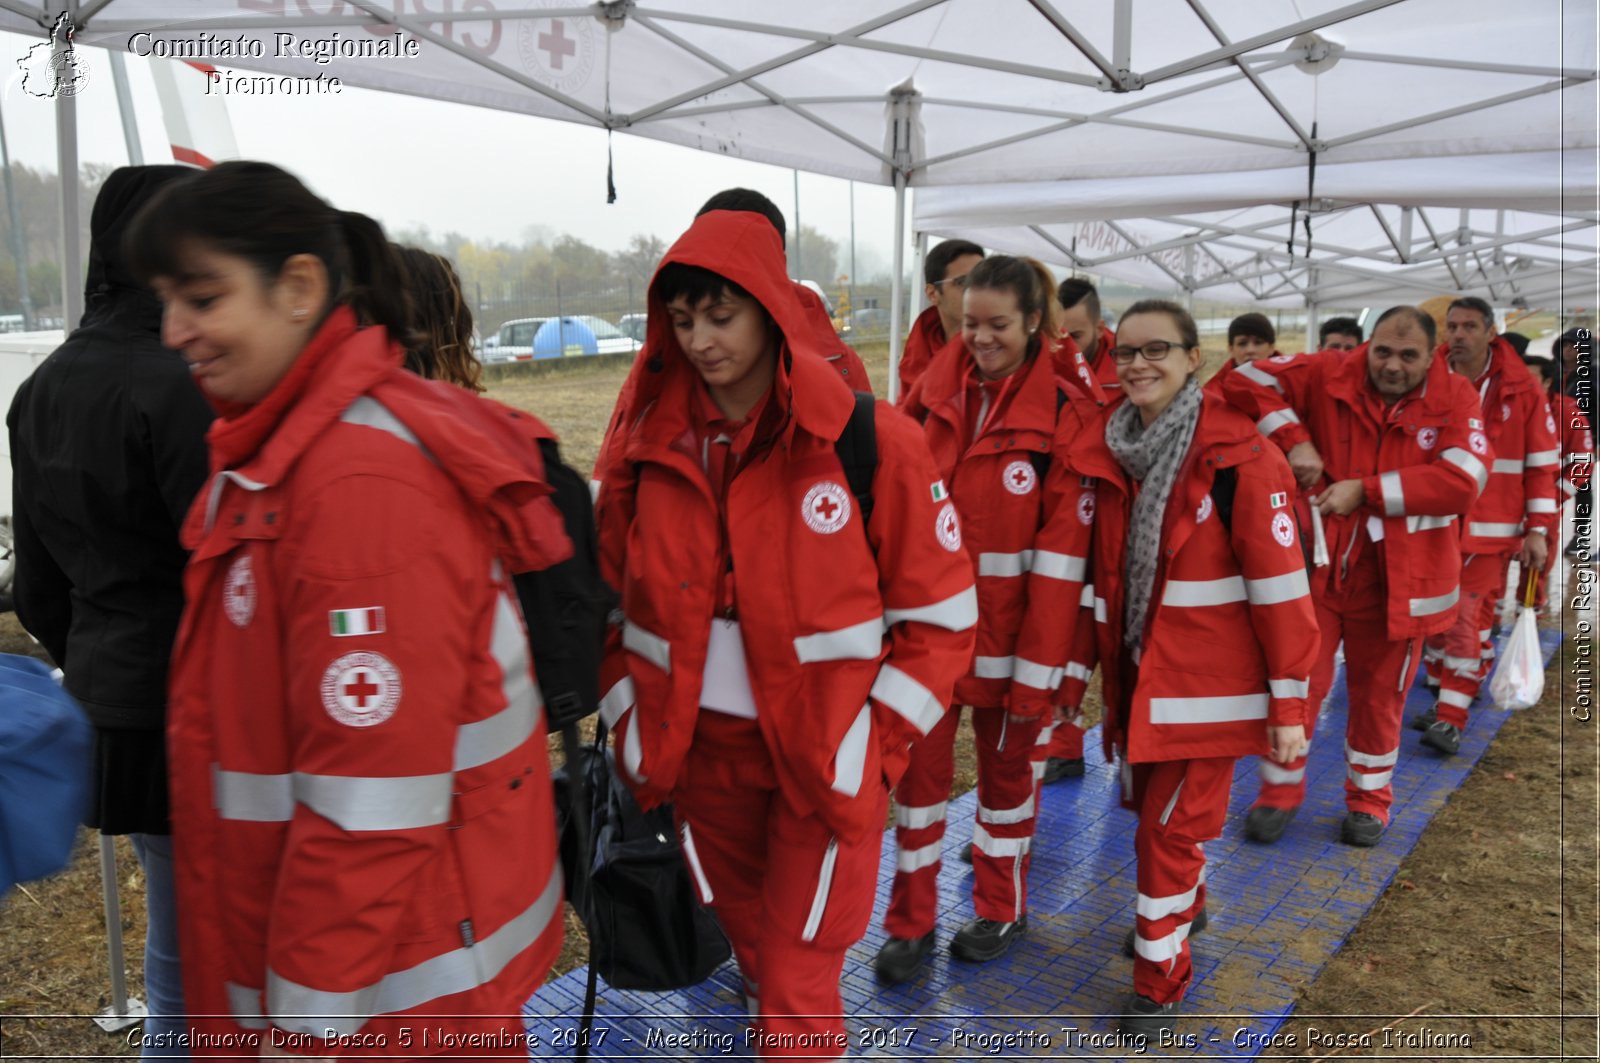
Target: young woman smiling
[(998, 414), (360, 799), (781, 646), (1206, 632)]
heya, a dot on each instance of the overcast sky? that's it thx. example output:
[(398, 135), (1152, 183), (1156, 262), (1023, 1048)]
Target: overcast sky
[(487, 174)]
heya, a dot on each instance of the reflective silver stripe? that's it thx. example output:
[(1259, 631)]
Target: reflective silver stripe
[(911, 861), (1165, 949), (1437, 604), (1001, 566), (1371, 760), (916, 817), (998, 848), (819, 901), (851, 759), (1276, 420), (914, 702), (594, 491), (1512, 466), (1045, 734), (1160, 907), (647, 644), (1493, 531), (1086, 596), (1289, 688), (1456, 698), (1099, 610), (1393, 492), (1541, 458), (1541, 505), (1274, 590), (1468, 464), (301, 1009), (355, 803), (618, 700), (1021, 814), (248, 797), (1052, 565), (1256, 376), (1039, 676), (245, 1004), (858, 642), (1276, 776), (1172, 802), (632, 752), (1462, 665), (1376, 780), (993, 667), (371, 413), (1194, 593), (1428, 523), (956, 613), (488, 740), (1078, 671), (692, 855), (1226, 709), (1569, 487)]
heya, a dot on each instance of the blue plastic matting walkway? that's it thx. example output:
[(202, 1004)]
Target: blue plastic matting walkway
[(1278, 913)]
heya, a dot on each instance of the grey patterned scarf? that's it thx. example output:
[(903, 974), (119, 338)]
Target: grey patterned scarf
[(1153, 457)]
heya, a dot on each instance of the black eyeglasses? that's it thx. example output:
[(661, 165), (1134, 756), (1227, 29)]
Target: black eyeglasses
[(959, 282), (1153, 351)]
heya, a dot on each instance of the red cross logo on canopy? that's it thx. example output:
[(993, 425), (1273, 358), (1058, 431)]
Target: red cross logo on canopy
[(557, 45), (826, 508), (361, 689)]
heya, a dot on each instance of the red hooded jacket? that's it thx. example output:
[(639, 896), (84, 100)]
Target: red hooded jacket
[(359, 773), (853, 636), (1421, 461)]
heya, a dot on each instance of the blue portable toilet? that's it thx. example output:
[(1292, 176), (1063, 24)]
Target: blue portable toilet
[(564, 337)]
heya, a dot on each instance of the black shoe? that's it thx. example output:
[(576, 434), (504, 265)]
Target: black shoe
[(1057, 768), (901, 959), (1266, 825), (1425, 719), (1445, 737), (1146, 1019), (981, 939), (1196, 928), (966, 854), (1362, 828)]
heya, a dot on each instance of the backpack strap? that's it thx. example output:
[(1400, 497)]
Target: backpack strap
[(857, 447), (1041, 458), (1222, 492)]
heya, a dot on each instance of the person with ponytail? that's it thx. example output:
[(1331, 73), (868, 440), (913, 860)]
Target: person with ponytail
[(361, 809), (441, 322), (1205, 629), (999, 408)]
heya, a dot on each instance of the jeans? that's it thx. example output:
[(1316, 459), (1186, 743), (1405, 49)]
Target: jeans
[(167, 1023)]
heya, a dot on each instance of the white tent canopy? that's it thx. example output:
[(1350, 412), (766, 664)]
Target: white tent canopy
[(1518, 228), (937, 92)]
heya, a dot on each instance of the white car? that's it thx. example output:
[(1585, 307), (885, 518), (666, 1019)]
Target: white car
[(514, 341)]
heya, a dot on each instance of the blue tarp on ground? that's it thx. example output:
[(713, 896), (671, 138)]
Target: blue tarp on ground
[(1278, 913)]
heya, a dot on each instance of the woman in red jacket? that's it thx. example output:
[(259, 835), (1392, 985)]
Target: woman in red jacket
[(360, 796), (1206, 632), (997, 412), (786, 638)]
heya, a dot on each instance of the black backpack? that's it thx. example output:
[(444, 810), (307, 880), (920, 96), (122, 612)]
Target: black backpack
[(857, 448), (566, 605)]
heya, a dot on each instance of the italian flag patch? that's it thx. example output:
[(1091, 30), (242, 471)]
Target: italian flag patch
[(1279, 500), (938, 491), (368, 621)]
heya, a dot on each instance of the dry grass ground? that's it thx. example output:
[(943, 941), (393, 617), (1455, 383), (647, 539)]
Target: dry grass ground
[(1494, 914)]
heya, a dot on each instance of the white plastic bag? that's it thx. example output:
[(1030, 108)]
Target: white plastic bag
[(1518, 681)]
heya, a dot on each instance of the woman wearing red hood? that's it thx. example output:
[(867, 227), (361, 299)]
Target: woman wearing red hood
[(782, 646), (361, 805)]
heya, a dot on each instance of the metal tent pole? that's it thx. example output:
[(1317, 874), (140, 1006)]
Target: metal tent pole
[(67, 168), (124, 1011), (897, 286)]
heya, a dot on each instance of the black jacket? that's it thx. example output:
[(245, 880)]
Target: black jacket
[(108, 449)]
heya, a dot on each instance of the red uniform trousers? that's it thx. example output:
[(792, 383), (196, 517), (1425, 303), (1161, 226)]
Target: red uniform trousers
[(1181, 804), (1459, 659), (1001, 836), (1377, 673), (791, 896), (1067, 741)]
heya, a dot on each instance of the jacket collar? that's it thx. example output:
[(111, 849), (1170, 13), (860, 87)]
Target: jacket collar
[(1032, 403), (260, 442)]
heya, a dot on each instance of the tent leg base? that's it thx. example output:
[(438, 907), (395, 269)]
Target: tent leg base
[(109, 1021)]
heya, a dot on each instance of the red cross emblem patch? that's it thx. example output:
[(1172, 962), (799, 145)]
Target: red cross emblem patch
[(239, 593), (826, 508), (1019, 477), (361, 689), (947, 526)]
